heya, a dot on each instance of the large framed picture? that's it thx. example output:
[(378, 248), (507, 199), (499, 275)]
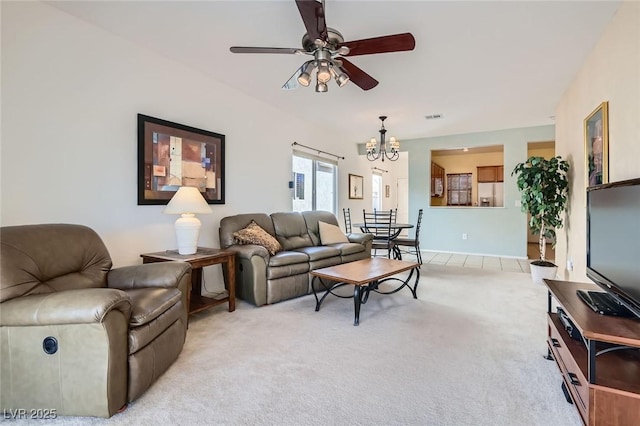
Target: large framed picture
[(171, 155), (356, 184), (596, 145)]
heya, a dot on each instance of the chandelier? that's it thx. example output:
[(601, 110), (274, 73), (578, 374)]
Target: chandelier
[(394, 146)]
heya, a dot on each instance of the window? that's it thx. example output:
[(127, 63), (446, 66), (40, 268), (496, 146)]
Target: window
[(459, 189), (314, 183)]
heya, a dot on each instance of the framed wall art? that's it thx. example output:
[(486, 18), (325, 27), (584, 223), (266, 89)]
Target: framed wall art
[(596, 145), (356, 184), (171, 155)]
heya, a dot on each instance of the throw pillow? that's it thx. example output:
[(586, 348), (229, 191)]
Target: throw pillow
[(255, 234), (331, 234)]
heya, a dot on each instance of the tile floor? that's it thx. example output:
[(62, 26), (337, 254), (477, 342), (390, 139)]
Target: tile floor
[(486, 262), (473, 261)]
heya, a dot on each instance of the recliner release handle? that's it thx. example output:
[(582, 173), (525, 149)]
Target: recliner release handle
[(50, 345)]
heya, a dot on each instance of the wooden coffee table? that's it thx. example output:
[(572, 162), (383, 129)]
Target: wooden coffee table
[(366, 276)]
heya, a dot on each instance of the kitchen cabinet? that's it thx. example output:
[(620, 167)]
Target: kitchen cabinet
[(437, 180), (491, 174)]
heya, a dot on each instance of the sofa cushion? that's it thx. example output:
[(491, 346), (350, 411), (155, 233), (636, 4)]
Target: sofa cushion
[(291, 230), (276, 272), (349, 248), (319, 252), (231, 224), (313, 218), (254, 234), (331, 234), (284, 258)]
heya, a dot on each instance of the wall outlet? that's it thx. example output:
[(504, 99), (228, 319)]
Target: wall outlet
[(464, 236)]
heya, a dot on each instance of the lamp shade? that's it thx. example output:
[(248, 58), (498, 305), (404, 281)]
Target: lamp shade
[(188, 199), (187, 202)]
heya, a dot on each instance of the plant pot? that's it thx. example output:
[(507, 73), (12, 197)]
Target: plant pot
[(542, 269)]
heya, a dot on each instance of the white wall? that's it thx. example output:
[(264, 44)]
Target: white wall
[(610, 73), (70, 96)]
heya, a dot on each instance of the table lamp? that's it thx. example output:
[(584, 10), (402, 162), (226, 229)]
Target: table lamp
[(188, 202)]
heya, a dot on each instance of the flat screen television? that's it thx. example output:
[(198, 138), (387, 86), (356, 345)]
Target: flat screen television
[(613, 242)]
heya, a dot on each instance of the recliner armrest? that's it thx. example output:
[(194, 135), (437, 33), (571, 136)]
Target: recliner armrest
[(161, 274), (81, 306)]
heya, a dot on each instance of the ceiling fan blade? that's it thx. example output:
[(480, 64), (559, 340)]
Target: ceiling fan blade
[(357, 76), (292, 83), (288, 50), (383, 44), (312, 14)]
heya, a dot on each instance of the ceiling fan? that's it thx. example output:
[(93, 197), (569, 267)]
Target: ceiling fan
[(328, 49)]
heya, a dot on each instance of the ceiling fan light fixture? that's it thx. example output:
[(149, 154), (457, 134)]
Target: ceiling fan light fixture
[(324, 74), (321, 87), (341, 79), (304, 79)]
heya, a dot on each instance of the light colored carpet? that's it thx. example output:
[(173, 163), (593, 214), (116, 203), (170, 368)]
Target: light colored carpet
[(469, 351)]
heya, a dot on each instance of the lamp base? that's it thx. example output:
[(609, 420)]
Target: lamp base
[(187, 232)]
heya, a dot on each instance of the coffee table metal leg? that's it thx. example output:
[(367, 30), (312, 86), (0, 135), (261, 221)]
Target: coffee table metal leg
[(356, 304)]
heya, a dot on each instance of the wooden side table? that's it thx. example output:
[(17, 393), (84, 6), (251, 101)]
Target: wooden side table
[(203, 257)]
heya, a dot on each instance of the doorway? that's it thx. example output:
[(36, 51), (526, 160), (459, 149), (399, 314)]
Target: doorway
[(402, 203), (376, 190)]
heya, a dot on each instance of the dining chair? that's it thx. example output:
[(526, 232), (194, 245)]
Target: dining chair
[(347, 220), (378, 223), (410, 245), (394, 214)]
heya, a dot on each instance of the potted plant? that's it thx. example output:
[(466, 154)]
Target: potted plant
[(544, 187)]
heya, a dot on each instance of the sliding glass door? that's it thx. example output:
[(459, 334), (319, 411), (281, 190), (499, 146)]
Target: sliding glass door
[(314, 183)]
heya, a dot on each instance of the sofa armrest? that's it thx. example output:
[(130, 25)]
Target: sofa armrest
[(247, 251), (360, 238), (161, 274), (82, 306)]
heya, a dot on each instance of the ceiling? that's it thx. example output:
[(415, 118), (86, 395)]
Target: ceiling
[(481, 65)]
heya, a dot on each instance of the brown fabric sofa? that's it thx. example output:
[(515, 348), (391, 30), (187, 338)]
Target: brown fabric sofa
[(76, 335), (262, 278)]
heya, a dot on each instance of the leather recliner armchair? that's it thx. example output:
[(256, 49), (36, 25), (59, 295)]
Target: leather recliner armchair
[(76, 335)]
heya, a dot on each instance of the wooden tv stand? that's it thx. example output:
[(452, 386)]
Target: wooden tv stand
[(604, 385)]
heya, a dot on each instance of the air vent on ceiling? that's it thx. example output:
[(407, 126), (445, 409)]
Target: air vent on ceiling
[(433, 116)]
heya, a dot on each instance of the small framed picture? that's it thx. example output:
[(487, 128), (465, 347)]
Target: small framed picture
[(387, 191), (356, 187), (596, 145)]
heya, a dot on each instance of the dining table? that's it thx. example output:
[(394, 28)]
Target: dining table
[(396, 228)]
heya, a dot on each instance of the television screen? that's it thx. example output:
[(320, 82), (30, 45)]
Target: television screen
[(613, 240)]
